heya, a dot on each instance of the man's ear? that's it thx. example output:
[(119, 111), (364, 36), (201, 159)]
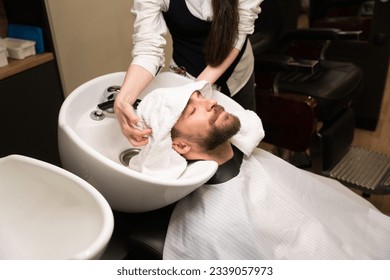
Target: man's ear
[(180, 146)]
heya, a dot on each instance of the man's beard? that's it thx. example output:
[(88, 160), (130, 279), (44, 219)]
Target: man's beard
[(218, 135)]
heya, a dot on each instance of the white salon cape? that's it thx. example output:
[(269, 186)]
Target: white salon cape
[(273, 210)]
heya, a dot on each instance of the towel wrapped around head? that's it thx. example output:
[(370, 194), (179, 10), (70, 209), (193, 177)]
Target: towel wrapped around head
[(160, 110)]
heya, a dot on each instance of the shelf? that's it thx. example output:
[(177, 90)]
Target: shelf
[(17, 66)]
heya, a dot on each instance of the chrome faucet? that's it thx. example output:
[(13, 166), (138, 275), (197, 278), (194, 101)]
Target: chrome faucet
[(109, 95)]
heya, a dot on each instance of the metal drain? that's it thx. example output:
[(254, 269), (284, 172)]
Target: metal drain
[(126, 155)]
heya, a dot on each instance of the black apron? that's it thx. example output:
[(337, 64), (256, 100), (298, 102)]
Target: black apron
[(189, 35)]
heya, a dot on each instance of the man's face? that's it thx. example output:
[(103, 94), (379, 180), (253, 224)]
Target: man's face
[(206, 123)]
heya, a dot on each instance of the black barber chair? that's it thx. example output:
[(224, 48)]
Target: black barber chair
[(146, 233), (298, 90), (304, 94)]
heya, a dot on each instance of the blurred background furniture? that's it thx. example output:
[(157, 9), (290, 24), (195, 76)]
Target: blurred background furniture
[(300, 94), (309, 86), (370, 53)]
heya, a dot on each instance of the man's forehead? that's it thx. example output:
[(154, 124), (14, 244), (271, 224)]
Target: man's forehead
[(196, 92), (184, 113)]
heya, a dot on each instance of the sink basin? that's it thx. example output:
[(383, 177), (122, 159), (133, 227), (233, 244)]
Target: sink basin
[(50, 213), (92, 149)]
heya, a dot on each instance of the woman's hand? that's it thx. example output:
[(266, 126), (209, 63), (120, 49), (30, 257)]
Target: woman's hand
[(136, 80), (130, 123)]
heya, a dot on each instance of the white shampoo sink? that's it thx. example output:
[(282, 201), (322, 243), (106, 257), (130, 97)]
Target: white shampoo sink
[(50, 213)]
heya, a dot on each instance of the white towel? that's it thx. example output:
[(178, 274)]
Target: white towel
[(251, 131), (160, 110)]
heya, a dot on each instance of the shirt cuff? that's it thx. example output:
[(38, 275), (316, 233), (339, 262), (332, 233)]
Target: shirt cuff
[(150, 66)]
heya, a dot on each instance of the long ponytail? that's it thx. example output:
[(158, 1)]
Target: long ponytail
[(223, 32)]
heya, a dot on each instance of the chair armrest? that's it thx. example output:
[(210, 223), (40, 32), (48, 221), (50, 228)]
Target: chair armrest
[(311, 43), (272, 62), (307, 34), (350, 35), (277, 63)]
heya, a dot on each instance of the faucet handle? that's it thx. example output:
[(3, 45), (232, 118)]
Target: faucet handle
[(104, 106), (110, 92)]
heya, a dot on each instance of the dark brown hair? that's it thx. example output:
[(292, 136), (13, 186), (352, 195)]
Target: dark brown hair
[(223, 32)]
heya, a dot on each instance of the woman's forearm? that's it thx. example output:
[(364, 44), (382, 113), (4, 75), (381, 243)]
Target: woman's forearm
[(136, 80), (212, 74)]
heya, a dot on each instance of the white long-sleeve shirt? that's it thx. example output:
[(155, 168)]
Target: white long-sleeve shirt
[(150, 30)]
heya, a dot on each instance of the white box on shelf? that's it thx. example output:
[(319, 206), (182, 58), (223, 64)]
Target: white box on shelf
[(19, 49), (3, 53)]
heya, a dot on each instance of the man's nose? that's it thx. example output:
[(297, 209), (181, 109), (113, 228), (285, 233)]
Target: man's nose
[(209, 104)]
